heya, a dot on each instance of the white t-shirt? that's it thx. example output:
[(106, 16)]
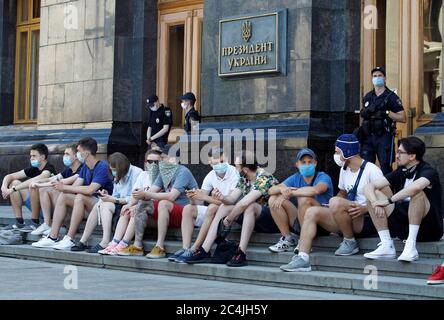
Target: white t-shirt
[(347, 180), (143, 181), (225, 185), (407, 184)]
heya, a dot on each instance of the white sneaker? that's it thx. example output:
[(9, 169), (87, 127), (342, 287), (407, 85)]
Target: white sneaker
[(41, 229), (409, 253), (44, 243), (65, 244), (46, 232), (384, 251), (282, 246)]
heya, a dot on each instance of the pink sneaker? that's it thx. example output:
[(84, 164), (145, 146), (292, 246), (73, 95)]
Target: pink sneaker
[(109, 248), (118, 249)]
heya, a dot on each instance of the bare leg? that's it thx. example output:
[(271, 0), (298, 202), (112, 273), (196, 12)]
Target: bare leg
[(380, 223), (35, 203), (163, 221), (209, 216), (64, 200), (17, 199), (121, 227), (222, 212), (82, 204), (189, 213), (303, 204), (283, 216), (315, 216), (107, 210), (91, 224), (339, 208), (141, 221), (251, 213), (48, 199), (130, 230), (418, 208)]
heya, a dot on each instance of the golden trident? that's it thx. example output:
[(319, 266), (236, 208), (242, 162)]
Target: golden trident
[(246, 31)]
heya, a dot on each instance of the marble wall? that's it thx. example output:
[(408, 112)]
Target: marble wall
[(77, 40), (323, 43)]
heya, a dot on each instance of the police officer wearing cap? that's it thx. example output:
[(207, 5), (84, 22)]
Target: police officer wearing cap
[(192, 117), (382, 108), (159, 124)]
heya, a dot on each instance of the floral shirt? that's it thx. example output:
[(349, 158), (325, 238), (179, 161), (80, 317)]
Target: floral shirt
[(264, 181)]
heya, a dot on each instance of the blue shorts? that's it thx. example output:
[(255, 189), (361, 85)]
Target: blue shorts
[(27, 204)]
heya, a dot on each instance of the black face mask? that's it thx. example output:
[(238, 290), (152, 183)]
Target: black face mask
[(409, 173)]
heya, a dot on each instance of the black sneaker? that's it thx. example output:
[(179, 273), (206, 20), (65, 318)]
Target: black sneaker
[(239, 259), (95, 249), (79, 247), (199, 256)]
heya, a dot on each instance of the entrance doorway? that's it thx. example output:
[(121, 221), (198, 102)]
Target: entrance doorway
[(179, 54)]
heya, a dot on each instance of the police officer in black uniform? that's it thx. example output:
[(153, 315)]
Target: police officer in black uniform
[(159, 123), (192, 117), (382, 109)]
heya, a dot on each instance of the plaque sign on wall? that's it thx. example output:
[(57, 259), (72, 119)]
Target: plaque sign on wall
[(253, 44)]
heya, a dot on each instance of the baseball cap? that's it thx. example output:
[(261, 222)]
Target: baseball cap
[(188, 96), (151, 99), (306, 152), (380, 69)]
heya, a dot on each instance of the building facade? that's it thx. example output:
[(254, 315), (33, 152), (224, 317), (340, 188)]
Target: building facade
[(75, 68)]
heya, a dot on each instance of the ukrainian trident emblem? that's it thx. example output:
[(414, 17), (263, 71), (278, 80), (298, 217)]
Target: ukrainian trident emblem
[(246, 31)]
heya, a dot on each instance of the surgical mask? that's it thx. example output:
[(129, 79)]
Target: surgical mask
[(35, 163), (307, 170), (114, 173), (339, 162), (183, 105), (80, 158), (67, 161), (378, 81), (220, 168), (154, 108)]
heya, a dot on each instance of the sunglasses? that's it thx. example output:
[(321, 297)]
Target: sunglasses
[(152, 161)]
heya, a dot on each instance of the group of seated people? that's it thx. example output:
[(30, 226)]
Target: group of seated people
[(404, 204)]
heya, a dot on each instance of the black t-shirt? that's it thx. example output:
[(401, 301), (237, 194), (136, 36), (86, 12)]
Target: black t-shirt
[(394, 103), (159, 118), (191, 115), (424, 170), (32, 172), (68, 172)]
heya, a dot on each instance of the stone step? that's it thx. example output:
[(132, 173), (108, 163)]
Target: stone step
[(320, 260), (327, 281), (327, 243)]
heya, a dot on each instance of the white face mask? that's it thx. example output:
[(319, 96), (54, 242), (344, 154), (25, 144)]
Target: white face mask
[(183, 105), (154, 108), (339, 162)]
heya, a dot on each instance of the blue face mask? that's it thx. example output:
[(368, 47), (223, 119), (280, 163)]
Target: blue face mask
[(35, 163), (307, 170), (80, 158), (221, 168), (378, 81), (67, 161), (114, 173)]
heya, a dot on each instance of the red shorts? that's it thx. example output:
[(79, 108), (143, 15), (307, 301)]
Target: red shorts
[(175, 214)]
